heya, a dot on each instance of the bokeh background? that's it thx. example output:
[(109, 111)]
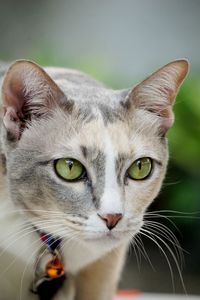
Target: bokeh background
[(121, 42)]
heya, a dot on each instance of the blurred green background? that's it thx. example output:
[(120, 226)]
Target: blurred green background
[(121, 42)]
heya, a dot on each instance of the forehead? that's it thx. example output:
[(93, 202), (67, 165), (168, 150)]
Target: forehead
[(125, 136), (70, 135), (96, 133), (128, 136)]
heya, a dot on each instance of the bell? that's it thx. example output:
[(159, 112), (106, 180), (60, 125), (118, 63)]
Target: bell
[(55, 268)]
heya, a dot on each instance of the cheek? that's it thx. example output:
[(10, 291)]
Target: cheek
[(71, 197), (139, 195)]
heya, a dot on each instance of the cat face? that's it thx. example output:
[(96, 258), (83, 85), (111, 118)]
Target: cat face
[(83, 160)]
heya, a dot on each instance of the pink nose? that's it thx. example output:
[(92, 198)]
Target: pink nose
[(111, 220)]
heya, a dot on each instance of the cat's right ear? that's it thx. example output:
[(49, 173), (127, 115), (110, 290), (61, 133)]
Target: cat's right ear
[(28, 93)]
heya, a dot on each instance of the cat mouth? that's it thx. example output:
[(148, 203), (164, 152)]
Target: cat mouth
[(113, 236)]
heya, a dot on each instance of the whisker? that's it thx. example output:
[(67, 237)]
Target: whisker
[(143, 251), (153, 237), (30, 227), (159, 216), (147, 234), (165, 232), (177, 214), (10, 212), (28, 230), (137, 254)]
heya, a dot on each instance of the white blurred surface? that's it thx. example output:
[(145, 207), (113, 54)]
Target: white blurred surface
[(156, 297)]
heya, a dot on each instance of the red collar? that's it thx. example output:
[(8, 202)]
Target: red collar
[(51, 242)]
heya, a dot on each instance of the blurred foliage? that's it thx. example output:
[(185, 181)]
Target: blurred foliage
[(185, 135), (181, 189), (183, 176)]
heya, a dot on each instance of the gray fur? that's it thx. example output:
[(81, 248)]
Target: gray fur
[(120, 162), (98, 164)]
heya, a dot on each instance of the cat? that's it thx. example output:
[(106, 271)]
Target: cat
[(80, 164)]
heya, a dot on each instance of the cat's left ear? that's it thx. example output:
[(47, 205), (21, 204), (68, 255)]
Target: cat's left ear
[(157, 92), (28, 93)]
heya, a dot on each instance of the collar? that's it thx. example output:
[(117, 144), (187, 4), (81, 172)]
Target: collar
[(49, 267), (51, 242)]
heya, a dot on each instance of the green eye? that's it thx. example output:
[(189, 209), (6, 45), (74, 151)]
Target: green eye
[(140, 168), (69, 168)]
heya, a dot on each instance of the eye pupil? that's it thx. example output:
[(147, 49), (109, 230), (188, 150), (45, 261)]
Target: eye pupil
[(70, 165), (139, 165)]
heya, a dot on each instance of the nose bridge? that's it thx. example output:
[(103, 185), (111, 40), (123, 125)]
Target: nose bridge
[(111, 200)]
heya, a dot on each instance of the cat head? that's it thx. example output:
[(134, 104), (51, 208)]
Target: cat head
[(83, 160)]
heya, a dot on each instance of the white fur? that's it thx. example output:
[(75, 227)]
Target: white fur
[(111, 202)]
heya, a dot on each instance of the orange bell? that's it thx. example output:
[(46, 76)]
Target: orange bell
[(55, 267)]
